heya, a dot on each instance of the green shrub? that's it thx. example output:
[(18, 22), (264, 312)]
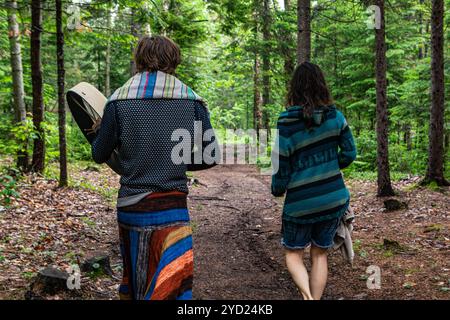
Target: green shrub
[(7, 189)]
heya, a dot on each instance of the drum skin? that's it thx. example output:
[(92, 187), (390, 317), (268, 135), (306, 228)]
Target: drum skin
[(86, 104)]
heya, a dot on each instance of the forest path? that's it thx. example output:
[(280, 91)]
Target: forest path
[(236, 236), (237, 250), (238, 254)]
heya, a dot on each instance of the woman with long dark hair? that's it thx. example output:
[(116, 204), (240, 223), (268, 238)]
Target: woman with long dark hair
[(314, 144)]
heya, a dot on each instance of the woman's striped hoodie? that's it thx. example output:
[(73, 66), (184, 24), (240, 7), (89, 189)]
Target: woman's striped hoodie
[(310, 160)]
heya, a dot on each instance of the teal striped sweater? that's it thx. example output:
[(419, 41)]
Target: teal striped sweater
[(309, 164)]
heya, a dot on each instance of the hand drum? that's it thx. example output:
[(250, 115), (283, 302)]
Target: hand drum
[(86, 104)]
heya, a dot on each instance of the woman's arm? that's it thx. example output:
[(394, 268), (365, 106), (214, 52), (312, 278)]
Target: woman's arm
[(280, 162), (206, 144), (347, 147), (107, 137)]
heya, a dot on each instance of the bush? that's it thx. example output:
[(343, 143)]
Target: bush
[(77, 146), (7, 189), (409, 161)]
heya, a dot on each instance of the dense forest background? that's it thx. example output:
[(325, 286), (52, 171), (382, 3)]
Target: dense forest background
[(238, 55), (387, 63)]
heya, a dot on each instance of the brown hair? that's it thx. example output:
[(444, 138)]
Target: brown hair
[(309, 89), (157, 53)]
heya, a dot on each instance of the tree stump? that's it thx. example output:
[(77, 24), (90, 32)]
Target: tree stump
[(49, 281), (98, 264), (394, 204), (392, 245)]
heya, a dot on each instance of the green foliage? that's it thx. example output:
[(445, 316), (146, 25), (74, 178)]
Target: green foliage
[(366, 143), (219, 39), (78, 147), (23, 133), (7, 189)]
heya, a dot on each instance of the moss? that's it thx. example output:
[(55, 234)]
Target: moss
[(388, 254), (89, 222), (357, 248), (433, 186), (411, 271), (434, 228), (96, 273), (194, 226), (412, 187), (28, 275)]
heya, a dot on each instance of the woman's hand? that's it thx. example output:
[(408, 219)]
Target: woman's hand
[(95, 127)]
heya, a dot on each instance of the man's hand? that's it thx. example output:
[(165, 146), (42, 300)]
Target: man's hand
[(94, 127)]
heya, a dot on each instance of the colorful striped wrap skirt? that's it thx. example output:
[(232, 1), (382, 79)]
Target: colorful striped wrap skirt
[(156, 247)]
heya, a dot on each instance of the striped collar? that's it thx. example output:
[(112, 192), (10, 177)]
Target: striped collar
[(154, 85)]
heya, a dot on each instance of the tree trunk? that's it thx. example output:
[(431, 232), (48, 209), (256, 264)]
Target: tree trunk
[(38, 161), (407, 136), (304, 31), (135, 32), (17, 79), (287, 49), (108, 56), (335, 50), (61, 100), (257, 79), (427, 45), (384, 179), (266, 61), (435, 170), (421, 44), (257, 97), (99, 69), (316, 53)]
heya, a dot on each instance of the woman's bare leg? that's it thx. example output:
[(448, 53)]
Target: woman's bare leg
[(297, 269), (319, 271)]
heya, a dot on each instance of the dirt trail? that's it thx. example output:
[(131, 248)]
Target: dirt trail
[(236, 237), (238, 253), (237, 247)]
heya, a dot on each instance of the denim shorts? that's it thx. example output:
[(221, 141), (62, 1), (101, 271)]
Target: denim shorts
[(300, 236)]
